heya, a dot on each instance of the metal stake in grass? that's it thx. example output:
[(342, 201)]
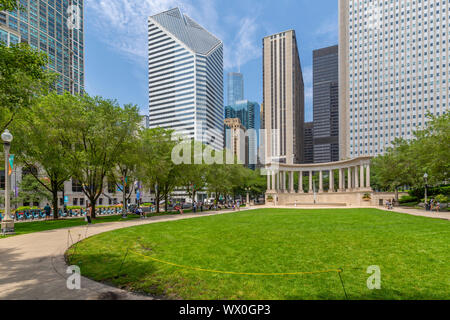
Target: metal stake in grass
[(342, 282)]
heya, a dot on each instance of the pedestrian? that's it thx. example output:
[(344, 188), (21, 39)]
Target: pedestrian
[(48, 211), (88, 213), (238, 205), (438, 206), (201, 206), (194, 206)]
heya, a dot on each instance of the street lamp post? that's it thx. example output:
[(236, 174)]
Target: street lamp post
[(248, 196), (7, 225), (425, 177)]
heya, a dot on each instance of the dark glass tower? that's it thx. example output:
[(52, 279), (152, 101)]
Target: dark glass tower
[(235, 84), (326, 104), (54, 27)]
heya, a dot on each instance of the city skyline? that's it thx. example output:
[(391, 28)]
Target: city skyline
[(116, 44)]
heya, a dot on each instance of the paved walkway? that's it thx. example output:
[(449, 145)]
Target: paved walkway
[(32, 266)]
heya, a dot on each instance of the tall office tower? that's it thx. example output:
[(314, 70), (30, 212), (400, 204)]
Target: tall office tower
[(54, 27), (326, 104), (185, 78), (235, 84), (284, 100), (308, 144), (394, 69), (250, 116)]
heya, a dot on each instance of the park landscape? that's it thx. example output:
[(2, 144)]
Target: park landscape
[(252, 255)]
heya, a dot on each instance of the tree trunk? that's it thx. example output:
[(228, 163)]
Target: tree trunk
[(166, 206), (124, 201), (157, 200), (55, 204), (396, 194)]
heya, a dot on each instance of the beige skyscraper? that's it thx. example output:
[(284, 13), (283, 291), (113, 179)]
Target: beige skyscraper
[(394, 70), (284, 101)]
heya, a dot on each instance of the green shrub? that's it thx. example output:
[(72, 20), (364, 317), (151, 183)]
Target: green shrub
[(408, 199), (73, 208), (441, 198)]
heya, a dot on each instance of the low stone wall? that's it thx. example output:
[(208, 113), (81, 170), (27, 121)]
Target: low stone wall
[(336, 199)]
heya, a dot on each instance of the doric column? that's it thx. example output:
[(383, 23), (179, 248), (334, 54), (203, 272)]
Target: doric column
[(331, 177), (320, 181), (361, 176), (268, 181), (283, 181), (273, 181), (349, 176), (300, 182), (277, 181), (310, 182), (368, 176), (356, 177), (291, 182), (341, 180)]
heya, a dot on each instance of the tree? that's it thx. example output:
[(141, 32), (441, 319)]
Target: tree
[(31, 191), (23, 78), (10, 5), (96, 131), (193, 173), (124, 173), (157, 168), (39, 143), (407, 161)]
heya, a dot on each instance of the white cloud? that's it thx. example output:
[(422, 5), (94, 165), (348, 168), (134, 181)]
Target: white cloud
[(122, 24)]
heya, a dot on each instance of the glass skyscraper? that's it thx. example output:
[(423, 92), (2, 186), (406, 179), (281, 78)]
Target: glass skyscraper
[(54, 27), (235, 84), (185, 78)]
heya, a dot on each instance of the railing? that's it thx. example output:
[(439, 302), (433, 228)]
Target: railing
[(40, 214)]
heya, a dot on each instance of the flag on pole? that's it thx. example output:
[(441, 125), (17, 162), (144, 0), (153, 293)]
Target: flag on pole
[(11, 164)]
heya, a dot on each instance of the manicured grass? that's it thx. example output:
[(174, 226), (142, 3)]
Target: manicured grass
[(31, 227), (412, 253)]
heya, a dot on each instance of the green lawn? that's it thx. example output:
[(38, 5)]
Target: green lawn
[(412, 252)]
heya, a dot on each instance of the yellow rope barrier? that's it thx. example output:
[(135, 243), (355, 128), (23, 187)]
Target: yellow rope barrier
[(236, 273)]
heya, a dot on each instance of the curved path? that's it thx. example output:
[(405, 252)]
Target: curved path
[(32, 266)]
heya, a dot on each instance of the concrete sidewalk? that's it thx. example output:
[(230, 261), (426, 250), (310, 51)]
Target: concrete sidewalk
[(32, 266)]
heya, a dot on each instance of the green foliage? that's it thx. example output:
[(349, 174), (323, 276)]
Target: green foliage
[(407, 161), (38, 142), (31, 190), (441, 198), (10, 5), (408, 199), (23, 77)]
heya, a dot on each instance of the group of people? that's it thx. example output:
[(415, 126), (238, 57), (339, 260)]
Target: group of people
[(433, 205), (390, 204)]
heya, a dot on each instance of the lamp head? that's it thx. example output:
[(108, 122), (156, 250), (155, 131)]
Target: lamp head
[(7, 136)]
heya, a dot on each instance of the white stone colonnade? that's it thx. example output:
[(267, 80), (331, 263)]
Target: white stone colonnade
[(354, 175)]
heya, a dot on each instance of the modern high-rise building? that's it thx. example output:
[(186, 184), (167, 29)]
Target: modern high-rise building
[(308, 144), (326, 104), (249, 115), (283, 98), (394, 70), (235, 85), (185, 78), (56, 28)]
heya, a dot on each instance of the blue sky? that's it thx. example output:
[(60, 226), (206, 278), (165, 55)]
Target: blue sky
[(116, 40)]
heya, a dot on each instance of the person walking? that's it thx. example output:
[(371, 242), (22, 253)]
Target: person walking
[(48, 211), (194, 206), (89, 213)]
